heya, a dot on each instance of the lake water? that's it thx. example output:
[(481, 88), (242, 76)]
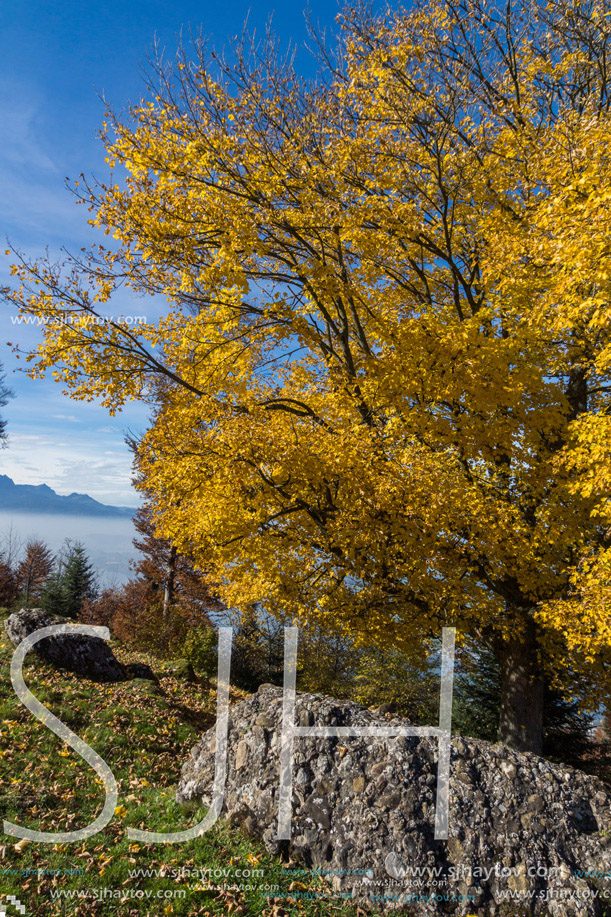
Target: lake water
[(108, 541)]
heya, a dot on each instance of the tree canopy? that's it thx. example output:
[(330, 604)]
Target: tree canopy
[(381, 386)]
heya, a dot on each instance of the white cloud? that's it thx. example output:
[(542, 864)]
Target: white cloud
[(69, 467)]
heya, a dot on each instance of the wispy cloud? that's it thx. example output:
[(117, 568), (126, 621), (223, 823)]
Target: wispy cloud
[(78, 466), (35, 205), (21, 145)]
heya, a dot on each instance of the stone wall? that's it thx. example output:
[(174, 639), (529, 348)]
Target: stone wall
[(363, 814)]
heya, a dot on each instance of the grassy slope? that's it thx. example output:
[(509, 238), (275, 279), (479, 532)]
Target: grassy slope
[(144, 734)]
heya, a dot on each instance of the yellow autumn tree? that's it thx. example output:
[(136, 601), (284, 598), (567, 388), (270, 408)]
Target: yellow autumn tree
[(386, 342)]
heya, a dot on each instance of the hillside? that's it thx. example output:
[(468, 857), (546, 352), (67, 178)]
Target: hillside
[(40, 498), (144, 733)]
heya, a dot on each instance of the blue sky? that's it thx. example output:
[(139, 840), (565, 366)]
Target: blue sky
[(55, 60)]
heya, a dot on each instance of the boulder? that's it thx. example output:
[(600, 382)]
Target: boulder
[(89, 657), (526, 836), (141, 670)]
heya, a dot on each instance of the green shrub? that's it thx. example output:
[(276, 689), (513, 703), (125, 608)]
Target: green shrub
[(200, 648)]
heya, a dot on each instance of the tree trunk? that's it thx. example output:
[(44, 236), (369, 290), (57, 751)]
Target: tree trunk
[(168, 589), (522, 687)]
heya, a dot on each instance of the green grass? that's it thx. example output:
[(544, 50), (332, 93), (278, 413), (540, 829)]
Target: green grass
[(145, 735)]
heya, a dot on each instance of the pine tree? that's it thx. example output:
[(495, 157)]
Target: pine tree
[(53, 598), (79, 580), (477, 702), (72, 584)]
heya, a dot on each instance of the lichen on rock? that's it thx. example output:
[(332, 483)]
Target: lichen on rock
[(525, 836)]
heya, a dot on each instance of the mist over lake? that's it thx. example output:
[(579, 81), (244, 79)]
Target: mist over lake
[(108, 541)]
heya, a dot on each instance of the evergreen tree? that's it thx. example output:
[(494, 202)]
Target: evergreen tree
[(53, 598), (477, 701), (79, 580), (72, 584), (8, 587)]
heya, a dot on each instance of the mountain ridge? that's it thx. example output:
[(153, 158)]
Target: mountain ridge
[(40, 498)]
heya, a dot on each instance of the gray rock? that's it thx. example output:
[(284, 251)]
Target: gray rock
[(241, 758), (363, 813), (88, 657), (141, 670)]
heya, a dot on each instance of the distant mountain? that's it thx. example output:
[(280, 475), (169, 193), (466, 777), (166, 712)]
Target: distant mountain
[(30, 498)]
